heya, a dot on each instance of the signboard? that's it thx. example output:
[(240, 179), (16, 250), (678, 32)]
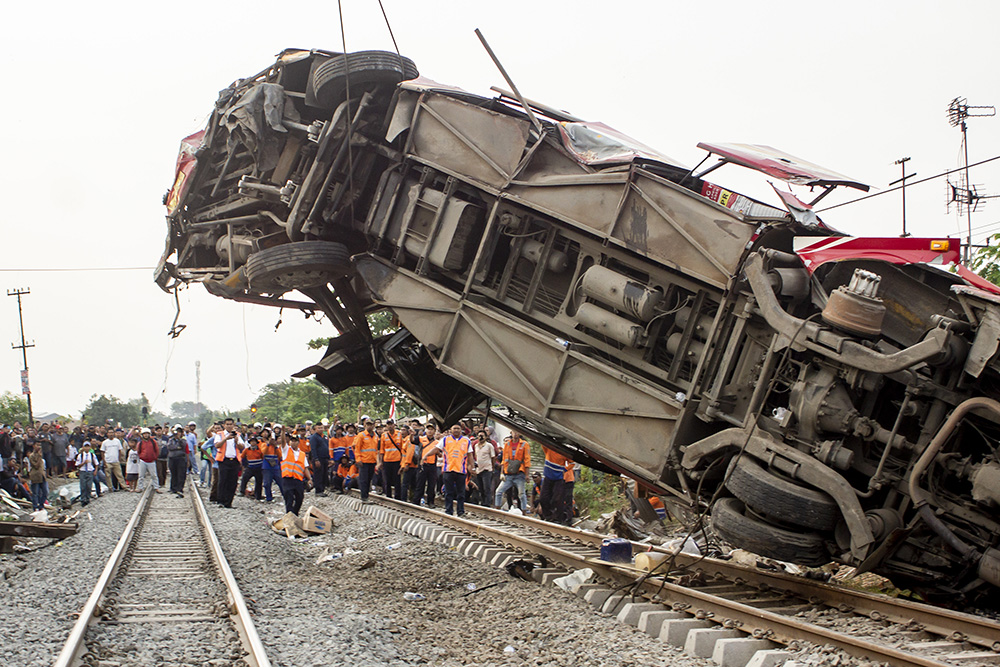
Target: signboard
[(25, 389)]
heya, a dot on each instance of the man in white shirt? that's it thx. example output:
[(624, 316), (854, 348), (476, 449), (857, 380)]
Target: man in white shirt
[(228, 445), (112, 448)]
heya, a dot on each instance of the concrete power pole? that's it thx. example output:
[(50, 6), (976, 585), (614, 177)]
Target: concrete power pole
[(25, 387)]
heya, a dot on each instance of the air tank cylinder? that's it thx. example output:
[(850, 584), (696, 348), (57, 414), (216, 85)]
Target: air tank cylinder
[(621, 293), (608, 324)]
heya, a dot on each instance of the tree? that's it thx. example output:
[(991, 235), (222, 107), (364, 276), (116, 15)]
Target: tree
[(13, 408), (291, 402), (986, 260), (102, 409)]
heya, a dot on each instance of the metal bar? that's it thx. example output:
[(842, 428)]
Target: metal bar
[(510, 82), (608, 411), (90, 608), (426, 175), (449, 189), (481, 250), (238, 220), (539, 272), (257, 656)]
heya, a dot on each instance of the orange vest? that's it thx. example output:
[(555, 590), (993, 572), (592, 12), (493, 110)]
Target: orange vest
[(522, 453), (366, 448), (390, 450), (304, 445), (294, 464), (427, 450), (220, 452), (407, 460), (456, 452)]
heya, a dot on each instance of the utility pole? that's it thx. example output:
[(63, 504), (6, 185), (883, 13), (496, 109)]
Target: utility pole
[(25, 387), (902, 165)]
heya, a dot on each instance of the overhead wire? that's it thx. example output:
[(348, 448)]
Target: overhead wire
[(910, 184), (54, 269)]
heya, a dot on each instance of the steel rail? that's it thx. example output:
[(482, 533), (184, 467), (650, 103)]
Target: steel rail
[(92, 608), (754, 621), (256, 655), (948, 623)]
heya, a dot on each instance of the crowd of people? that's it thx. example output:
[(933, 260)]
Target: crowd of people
[(411, 461)]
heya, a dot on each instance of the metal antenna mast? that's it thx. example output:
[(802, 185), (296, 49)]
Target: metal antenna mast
[(25, 387), (958, 111), (902, 166)]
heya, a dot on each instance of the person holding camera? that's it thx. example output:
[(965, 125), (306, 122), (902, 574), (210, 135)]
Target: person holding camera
[(229, 444)]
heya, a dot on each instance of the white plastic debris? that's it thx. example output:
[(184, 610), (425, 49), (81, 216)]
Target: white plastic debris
[(470, 587), (515, 511), (394, 545), (90, 516), (351, 539), (686, 546), (508, 649), (413, 596), (326, 558), (41, 516), (572, 582)]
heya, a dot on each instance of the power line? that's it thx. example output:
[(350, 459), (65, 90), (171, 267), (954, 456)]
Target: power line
[(922, 180), (80, 268)]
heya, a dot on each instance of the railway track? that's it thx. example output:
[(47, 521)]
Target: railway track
[(710, 599), (166, 595)]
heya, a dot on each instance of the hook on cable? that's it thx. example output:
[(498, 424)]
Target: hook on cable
[(176, 329)]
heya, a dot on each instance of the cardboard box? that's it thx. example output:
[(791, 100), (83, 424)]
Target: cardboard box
[(317, 521)]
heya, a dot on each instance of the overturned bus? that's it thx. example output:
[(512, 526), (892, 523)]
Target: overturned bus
[(822, 397)]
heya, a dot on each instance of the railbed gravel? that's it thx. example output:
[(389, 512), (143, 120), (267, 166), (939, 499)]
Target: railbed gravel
[(45, 589), (335, 614)]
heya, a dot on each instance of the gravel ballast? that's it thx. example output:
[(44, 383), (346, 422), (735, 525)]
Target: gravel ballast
[(351, 610), (45, 589)]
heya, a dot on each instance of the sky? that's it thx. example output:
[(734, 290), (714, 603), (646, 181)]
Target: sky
[(99, 95)]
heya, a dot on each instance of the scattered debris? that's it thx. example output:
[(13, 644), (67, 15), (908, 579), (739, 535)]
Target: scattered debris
[(520, 568), (367, 564), (37, 529), (572, 582), (394, 546), (317, 521), (327, 557), (472, 591), (413, 596)]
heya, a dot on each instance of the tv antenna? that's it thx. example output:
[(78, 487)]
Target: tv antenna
[(965, 194)]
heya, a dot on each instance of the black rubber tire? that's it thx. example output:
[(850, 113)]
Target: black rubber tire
[(298, 265), (779, 498), (731, 523), (328, 81)]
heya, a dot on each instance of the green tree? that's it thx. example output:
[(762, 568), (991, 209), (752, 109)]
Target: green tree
[(13, 408), (104, 408), (986, 260), (291, 401)]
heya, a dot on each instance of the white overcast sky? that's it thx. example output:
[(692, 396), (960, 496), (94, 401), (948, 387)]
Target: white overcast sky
[(99, 94)]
